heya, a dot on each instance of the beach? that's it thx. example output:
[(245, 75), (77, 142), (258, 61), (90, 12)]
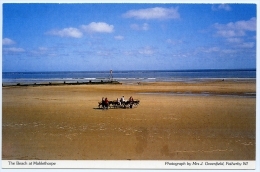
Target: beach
[(209, 120)]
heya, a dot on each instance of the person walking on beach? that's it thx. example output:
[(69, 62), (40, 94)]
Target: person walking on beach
[(106, 103), (103, 102), (122, 100), (131, 101), (118, 101)]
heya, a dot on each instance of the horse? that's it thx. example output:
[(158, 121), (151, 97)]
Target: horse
[(116, 104), (110, 104)]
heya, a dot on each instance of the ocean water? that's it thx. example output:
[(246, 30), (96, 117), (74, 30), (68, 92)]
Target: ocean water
[(127, 76)]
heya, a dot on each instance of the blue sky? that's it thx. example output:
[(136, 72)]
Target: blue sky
[(121, 36)]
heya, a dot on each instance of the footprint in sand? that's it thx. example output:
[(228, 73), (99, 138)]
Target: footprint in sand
[(141, 137)]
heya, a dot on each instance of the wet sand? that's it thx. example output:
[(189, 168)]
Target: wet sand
[(64, 122)]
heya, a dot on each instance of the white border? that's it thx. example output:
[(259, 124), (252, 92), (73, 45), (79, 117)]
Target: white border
[(141, 165), (131, 164)]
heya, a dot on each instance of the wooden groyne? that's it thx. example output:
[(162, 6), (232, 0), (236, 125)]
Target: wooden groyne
[(59, 83)]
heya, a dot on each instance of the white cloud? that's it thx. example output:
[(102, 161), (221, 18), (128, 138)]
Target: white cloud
[(43, 48), (238, 28), (234, 40), (7, 41), (104, 53), (221, 7), (235, 47), (207, 50), (146, 51), (13, 50), (224, 7), (212, 49), (229, 51), (144, 27), (77, 33), (129, 53), (100, 27), (153, 13), (66, 32), (230, 33), (39, 51), (174, 42), (249, 25), (247, 45), (119, 37), (135, 26), (235, 34)]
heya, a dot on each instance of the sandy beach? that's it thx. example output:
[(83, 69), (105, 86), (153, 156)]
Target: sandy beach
[(214, 120)]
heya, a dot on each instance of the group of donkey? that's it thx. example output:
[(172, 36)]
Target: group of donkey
[(116, 104)]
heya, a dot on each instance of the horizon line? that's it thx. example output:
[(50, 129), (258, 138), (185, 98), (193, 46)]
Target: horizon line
[(239, 69)]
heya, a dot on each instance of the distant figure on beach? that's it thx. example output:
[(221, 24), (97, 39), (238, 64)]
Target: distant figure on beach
[(122, 100), (131, 101), (106, 103), (103, 102)]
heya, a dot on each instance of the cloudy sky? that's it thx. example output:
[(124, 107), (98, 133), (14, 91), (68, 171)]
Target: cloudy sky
[(86, 37)]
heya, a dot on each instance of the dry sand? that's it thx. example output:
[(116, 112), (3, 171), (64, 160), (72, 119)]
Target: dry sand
[(64, 123)]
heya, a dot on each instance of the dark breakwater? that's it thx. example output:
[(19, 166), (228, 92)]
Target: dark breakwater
[(59, 83)]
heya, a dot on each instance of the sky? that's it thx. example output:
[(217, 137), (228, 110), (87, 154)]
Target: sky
[(123, 36)]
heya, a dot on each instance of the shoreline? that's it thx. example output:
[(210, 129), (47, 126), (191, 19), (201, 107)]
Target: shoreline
[(50, 82), (242, 95)]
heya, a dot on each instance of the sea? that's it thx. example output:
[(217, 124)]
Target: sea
[(128, 76)]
